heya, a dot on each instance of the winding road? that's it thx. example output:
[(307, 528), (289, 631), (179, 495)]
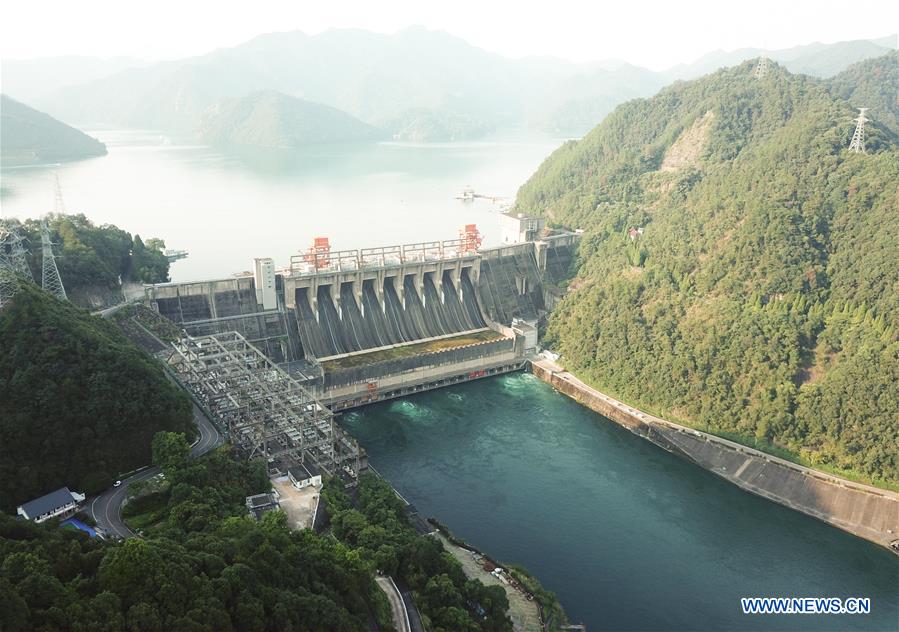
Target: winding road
[(106, 508), (398, 611)]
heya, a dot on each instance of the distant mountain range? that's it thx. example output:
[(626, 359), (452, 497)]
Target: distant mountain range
[(29, 137), (30, 79), (416, 84), (817, 59)]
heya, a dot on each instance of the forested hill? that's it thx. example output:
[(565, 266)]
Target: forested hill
[(272, 119), (762, 298), (28, 136), (94, 260), (872, 84), (79, 403)]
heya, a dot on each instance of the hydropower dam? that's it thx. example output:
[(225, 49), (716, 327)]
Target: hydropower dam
[(358, 326)]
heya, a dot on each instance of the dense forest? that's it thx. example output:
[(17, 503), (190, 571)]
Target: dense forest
[(93, 260), (204, 565), (761, 299), (79, 403), (872, 84), (378, 530), (30, 137)]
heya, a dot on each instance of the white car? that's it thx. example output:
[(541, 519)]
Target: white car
[(117, 483)]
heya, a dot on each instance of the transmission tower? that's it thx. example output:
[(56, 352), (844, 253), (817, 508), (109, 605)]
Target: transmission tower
[(13, 255), (858, 138), (13, 264), (50, 281), (761, 68)]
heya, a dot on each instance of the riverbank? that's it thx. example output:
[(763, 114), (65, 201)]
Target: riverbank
[(531, 607), (865, 511)]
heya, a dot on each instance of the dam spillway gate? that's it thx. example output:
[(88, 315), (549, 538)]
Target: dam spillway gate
[(358, 326)]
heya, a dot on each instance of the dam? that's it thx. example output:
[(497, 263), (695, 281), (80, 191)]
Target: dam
[(363, 325), (359, 327)]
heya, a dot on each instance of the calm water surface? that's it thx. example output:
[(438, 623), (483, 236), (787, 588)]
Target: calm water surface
[(629, 536), (228, 208)]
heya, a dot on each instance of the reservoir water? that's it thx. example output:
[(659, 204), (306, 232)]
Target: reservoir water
[(628, 536), (227, 208)]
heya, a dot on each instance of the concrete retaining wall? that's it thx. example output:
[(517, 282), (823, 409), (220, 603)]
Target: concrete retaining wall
[(862, 510)]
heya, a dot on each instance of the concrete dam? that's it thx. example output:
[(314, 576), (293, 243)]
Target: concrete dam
[(358, 326)]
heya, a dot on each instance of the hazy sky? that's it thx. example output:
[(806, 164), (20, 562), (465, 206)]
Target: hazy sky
[(652, 33)]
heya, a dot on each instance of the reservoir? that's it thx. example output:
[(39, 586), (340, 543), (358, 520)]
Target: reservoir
[(226, 208), (627, 535)]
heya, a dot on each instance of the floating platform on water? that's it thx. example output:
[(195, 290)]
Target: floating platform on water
[(175, 255)]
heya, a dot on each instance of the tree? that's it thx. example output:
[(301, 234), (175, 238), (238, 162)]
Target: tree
[(170, 452)]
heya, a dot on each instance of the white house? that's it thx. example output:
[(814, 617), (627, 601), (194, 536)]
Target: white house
[(302, 477), (516, 228), (61, 503)]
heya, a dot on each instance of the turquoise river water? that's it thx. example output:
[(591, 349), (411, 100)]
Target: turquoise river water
[(628, 536)]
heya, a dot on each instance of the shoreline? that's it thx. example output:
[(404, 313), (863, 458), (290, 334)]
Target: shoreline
[(531, 607), (862, 510)]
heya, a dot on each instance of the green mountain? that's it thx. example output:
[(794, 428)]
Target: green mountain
[(80, 403), (761, 300), (28, 136), (872, 84), (272, 119)]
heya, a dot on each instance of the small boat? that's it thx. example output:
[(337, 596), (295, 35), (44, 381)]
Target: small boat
[(468, 195)]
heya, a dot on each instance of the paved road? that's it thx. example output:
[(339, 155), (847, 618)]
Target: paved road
[(106, 509), (397, 606)]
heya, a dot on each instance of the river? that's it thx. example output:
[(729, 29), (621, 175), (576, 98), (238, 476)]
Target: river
[(227, 208), (628, 536)]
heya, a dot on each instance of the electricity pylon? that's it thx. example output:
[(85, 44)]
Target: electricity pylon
[(761, 68), (12, 253), (50, 280), (13, 264), (858, 137)]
